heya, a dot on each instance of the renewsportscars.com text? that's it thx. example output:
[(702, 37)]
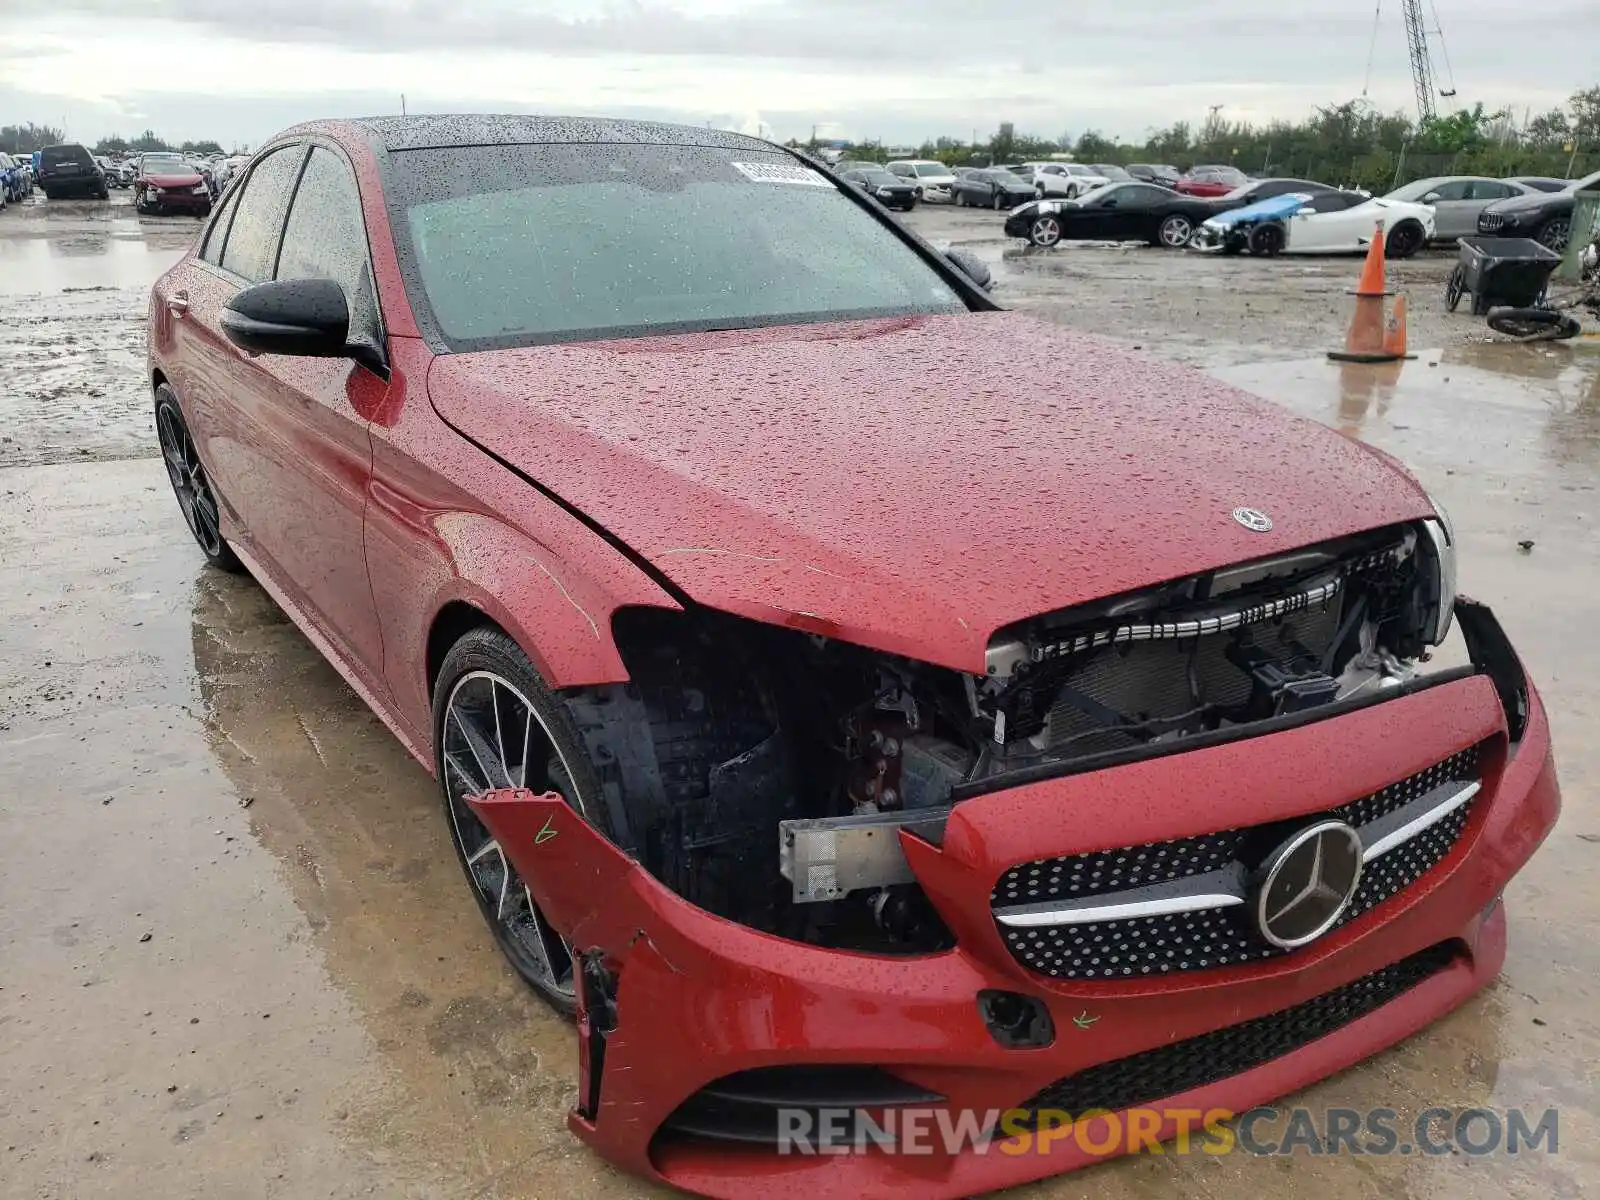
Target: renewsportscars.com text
[(1261, 1131)]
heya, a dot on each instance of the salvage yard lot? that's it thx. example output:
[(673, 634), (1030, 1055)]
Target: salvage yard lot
[(236, 959)]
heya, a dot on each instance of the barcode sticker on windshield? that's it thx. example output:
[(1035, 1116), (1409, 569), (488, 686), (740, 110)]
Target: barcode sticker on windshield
[(781, 173)]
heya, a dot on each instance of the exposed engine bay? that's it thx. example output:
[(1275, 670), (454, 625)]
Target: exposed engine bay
[(763, 773)]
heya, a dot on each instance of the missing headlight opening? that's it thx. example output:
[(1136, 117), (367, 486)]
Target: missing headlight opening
[(766, 774)]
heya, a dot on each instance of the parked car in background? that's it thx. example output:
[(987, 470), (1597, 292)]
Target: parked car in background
[(16, 179), (168, 182), (992, 187), (1327, 222), (1155, 173), (1148, 664), (1257, 190), (893, 191), (1143, 212), (854, 164), (1457, 200), (1211, 181), (1068, 180), (933, 180), (69, 170), (1543, 216), (1540, 183), (1112, 173)]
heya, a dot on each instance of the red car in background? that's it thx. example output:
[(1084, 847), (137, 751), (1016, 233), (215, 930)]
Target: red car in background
[(1211, 181), (839, 753), (170, 183)]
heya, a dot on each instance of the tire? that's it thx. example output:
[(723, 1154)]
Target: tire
[(1268, 241), (1456, 288), (1175, 232), (1045, 230), (1555, 233), (190, 484), (1533, 323), (486, 677), (1404, 240)]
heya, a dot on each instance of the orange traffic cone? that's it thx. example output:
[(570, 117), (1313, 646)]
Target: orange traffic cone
[(1366, 340), (1394, 334)]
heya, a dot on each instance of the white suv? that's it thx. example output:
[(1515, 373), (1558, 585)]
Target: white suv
[(933, 180), (1064, 179)]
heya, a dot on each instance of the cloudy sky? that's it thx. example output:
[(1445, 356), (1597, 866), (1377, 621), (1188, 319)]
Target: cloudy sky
[(900, 70)]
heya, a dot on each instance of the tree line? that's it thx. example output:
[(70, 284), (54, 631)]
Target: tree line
[(24, 139), (1351, 144)]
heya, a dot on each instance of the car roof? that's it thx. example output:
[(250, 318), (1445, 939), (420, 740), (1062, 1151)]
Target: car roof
[(507, 129)]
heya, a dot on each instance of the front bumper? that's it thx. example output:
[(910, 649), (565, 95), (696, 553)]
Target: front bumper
[(189, 202), (686, 999)]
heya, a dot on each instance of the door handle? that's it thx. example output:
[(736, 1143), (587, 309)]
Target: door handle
[(178, 303)]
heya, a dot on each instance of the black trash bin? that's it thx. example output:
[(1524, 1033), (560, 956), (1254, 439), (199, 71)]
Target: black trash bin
[(1496, 272)]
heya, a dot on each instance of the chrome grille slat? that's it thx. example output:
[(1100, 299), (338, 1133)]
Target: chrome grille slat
[(1223, 936)]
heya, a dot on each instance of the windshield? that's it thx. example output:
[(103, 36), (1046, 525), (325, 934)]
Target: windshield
[(932, 169), (882, 179), (1008, 177), (520, 245), (164, 162)]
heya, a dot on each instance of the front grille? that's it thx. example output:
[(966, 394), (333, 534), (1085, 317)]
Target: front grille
[(1198, 1061), (1490, 222), (1220, 937)]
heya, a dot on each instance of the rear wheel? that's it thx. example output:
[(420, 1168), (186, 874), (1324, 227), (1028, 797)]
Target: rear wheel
[(190, 484), (496, 725), (1175, 232)]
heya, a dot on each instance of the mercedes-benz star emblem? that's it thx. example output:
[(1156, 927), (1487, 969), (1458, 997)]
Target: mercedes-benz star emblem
[(1308, 883), (1253, 519)]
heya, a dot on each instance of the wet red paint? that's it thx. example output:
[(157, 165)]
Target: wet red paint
[(882, 482), (735, 999)]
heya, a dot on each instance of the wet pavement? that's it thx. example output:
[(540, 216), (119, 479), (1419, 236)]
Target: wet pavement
[(237, 958)]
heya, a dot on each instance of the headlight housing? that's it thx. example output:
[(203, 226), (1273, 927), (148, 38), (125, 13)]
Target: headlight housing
[(1438, 550)]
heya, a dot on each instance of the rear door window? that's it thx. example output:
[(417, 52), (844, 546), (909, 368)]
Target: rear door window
[(252, 247)]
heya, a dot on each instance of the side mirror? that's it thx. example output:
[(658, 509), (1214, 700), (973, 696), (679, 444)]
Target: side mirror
[(970, 265), (305, 317), (1431, 198)]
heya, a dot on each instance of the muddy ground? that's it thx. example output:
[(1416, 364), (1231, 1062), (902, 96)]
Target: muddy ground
[(236, 956)]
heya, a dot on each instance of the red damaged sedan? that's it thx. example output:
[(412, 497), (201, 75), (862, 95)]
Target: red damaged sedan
[(169, 183), (855, 754)]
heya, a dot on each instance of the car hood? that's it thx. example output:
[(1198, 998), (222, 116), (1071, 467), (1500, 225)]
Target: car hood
[(1532, 202), (901, 483), (173, 180), (1262, 210)]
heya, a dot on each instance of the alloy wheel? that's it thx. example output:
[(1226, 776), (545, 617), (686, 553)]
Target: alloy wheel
[(189, 482), (1176, 232), (493, 738), (1046, 231), (1555, 233)]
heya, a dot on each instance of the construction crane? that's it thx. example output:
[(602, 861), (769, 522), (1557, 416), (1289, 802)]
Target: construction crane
[(1422, 76)]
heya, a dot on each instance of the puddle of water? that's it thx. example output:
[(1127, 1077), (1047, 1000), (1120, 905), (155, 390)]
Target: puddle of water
[(1513, 410), (97, 259)]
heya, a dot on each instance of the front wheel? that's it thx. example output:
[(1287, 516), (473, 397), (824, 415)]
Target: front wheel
[(1268, 241), (190, 484), (1554, 234), (1404, 240), (1045, 231), (1533, 324), (496, 725)]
